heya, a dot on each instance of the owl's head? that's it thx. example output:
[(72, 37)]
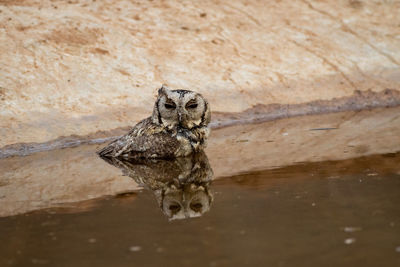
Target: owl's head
[(190, 201), (183, 108)]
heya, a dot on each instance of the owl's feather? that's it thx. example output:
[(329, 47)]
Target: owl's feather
[(177, 128), (145, 140)]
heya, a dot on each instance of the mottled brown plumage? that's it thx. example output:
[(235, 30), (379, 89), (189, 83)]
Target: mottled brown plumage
[(177, 128)]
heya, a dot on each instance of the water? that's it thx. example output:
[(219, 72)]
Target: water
[(334, 204), (332, 213)]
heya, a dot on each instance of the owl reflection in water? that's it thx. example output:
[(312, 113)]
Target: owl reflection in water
[(181, 185), (177, 128)]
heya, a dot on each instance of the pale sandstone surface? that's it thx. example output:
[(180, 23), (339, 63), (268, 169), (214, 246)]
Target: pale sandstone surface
[(76, 67), (285, 142), (58, 177), (51, 179)]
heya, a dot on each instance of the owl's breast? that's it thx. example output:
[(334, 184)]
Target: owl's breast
[(190, 141), (185, 146)]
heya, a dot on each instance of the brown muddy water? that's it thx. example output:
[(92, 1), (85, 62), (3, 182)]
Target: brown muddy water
[(331, 213), (302, 191)]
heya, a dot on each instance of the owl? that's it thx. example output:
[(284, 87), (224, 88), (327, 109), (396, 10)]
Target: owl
[(177, 128), (180, 185)]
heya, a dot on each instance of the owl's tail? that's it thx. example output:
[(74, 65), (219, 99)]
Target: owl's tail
[(109, 150), (106, 151), (115, 148)]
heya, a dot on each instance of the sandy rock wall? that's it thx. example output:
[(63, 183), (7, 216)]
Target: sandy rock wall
[(76, 67)]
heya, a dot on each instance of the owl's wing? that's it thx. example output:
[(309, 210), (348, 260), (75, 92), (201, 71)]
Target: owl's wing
[(145, 140)]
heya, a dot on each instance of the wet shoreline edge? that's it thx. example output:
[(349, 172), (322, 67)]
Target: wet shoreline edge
[(360, 100)]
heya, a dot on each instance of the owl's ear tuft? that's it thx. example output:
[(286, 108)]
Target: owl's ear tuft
[(163, 90), (206, 117)]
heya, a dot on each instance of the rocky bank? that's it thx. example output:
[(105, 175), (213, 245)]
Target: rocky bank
[(80, 66)]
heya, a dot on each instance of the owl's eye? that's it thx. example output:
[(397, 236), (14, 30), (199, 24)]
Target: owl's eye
[(196, 206), (174, 207), (170, 105), (191, 105)]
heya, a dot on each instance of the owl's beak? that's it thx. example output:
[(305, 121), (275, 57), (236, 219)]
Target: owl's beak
[(180, 117)]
